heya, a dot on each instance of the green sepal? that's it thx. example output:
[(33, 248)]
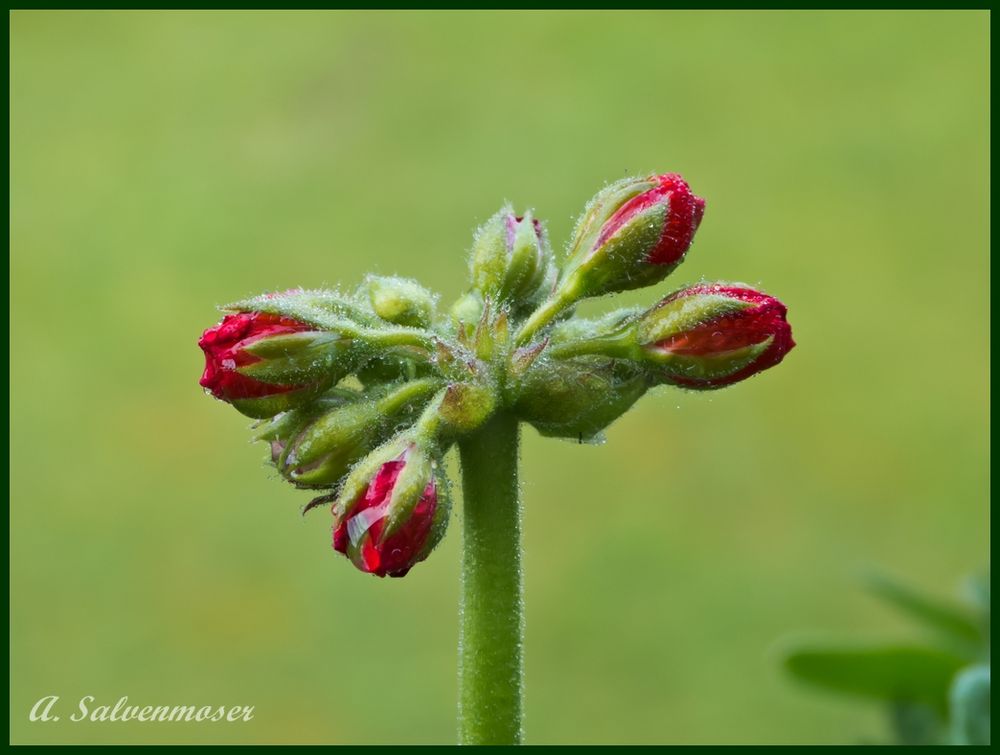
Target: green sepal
[(598, 211), (288, 345), (324, 309), (357, 481), (442, 512), (684, 313), (531, 270), (672, 366), (292, 358), (619, 264), (488, 261), (409, 489)]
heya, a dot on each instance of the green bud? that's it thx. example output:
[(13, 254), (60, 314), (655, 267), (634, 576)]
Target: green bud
[(462, 408), (512, 259), (283, 426), (400, 300), (467, 311), (577, 398), (318, 444)]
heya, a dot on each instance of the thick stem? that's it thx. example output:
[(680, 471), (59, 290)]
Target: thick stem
[(492, 610)]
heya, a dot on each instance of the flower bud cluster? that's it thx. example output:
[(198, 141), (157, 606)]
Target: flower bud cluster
[(361, 395)]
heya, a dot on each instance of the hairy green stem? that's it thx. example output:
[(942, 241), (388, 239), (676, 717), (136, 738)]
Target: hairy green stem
[(543, 316), (492, 609), (618, 345), (390, 337), (404, 394)]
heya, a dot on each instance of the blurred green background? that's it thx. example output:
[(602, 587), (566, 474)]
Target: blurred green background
[(166, 162)]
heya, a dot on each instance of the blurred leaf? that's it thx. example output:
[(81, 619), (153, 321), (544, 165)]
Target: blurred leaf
[(916, 724), (892, 672), (978, 590), (950, 621), (970, 706)]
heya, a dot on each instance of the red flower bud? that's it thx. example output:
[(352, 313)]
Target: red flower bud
[(397, 520), (633, 234), (710, 336), (258, 362), (683, 215)]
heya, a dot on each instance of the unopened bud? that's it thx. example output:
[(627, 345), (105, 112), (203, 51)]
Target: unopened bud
[(705, 336), (318, 444), (713, 335), (578, 398), (321, 308), (631, 235), (392, 510), (400, 300), (467, 311), (512, 259), (463, 407), (264, 363)]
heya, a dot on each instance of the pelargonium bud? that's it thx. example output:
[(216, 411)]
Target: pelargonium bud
[(400, 300), (512, 259), (713, 335), (631, 235), (578, 398), (316, 445), (392, 511), (460, 409), (265, 363)]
